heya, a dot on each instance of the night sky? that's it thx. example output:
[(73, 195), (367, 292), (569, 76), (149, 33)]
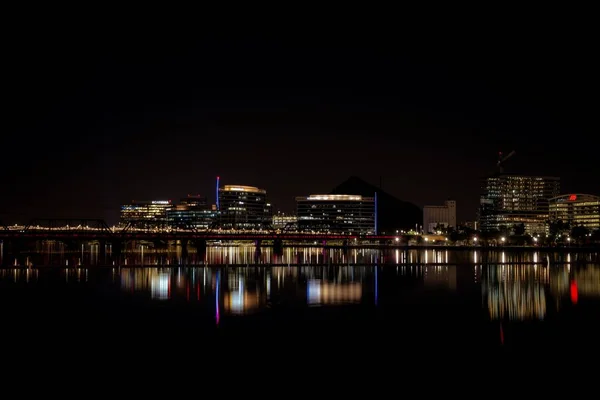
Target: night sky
[(93, 122)]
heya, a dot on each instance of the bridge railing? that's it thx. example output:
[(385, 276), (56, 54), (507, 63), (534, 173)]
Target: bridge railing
[(92, 226)]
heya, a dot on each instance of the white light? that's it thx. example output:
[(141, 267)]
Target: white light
[(333, 197), (239, 188)]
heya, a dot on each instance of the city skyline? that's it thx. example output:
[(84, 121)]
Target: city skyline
[(114, 216), (354, 129), (294, 116)]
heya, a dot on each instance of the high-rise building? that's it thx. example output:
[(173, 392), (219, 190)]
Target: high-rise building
[(434, 216), (336, 213), (244, 207), (576, 210), (283, 221), (192, 212), (146, 212), (508, 200)]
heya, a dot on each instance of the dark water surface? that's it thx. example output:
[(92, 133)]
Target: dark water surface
[(385, 307)]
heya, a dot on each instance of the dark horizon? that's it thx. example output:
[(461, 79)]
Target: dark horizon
[(93, 127)]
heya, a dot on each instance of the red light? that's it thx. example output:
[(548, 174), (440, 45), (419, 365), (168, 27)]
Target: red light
[(574, 292), (218, 177), (573, 197)]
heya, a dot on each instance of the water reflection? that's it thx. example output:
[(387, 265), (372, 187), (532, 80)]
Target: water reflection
[(56, 253), (242, 296), (442, 275), (526, 292), (160, 286), (319, 292), (244, 290), (586, 282), (509, 286), (515, 292)]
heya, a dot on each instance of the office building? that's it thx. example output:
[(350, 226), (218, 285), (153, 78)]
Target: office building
[(336, 213), (509, 200), (192, 212), (244, 207), (145, 213), (284, 221), (576, 210)]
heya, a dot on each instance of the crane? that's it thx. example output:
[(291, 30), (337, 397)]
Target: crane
[(502, 160)]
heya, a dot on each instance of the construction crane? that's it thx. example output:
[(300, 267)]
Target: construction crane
[(502, 160)]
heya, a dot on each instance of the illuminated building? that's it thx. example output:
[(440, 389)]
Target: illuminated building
[(336, 213), (576, 210), (508, 200), (280, 220), (192, 212), (434, 216), (141, 212), (244, 207)]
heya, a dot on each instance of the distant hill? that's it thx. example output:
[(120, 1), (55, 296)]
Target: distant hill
[(393, 213)]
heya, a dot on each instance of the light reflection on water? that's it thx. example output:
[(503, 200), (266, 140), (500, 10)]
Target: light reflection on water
[(149, 254), (524, 287)]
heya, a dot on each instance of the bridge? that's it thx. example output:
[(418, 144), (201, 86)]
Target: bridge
[(97, 229)]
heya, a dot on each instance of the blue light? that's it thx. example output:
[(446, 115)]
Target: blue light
[(218, 208)]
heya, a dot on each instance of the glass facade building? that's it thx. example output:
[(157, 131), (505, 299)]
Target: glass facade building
[(336, 213), (284, 221), (576, 210), (508, 200), (192, 212), (244, 208), (145, 213)]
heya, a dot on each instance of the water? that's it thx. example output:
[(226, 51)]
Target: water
[(377, 304)]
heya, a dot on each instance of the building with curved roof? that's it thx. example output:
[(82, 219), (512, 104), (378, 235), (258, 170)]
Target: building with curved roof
[(244, 207)]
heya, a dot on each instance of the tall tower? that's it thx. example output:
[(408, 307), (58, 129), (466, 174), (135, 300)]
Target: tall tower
[(218, 207)]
